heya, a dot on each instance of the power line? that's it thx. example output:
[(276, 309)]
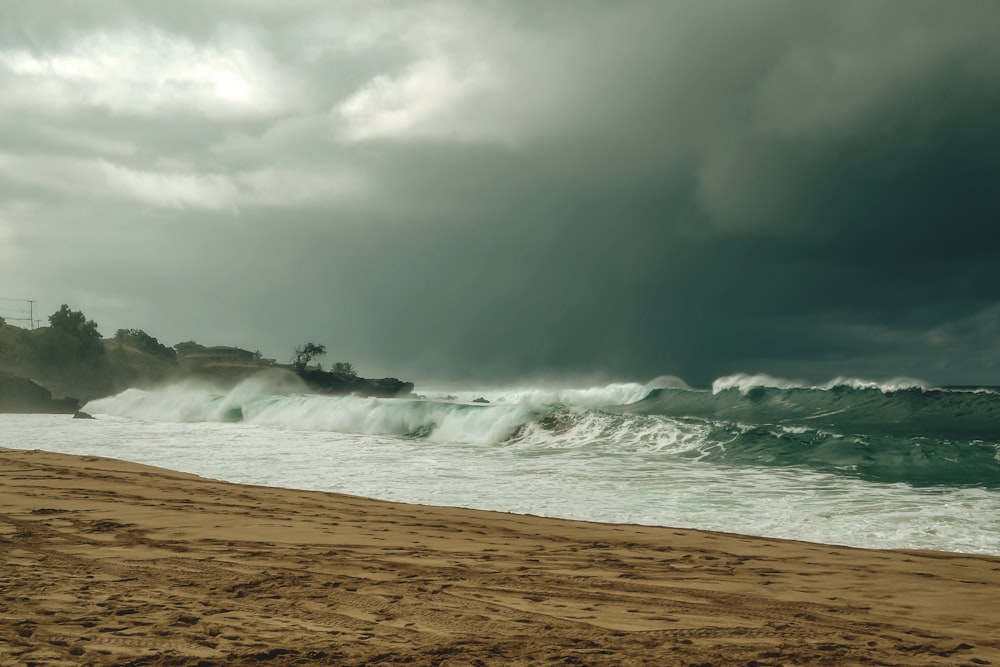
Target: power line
[(30, 312)]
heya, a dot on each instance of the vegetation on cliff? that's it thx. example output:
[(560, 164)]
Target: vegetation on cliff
[(69, 358)]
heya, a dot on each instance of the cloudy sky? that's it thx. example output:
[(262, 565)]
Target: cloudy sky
[(508, 189)]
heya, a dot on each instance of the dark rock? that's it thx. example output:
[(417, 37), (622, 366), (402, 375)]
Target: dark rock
[(21, 395), (66, 406), (342, 384), (80, 414)]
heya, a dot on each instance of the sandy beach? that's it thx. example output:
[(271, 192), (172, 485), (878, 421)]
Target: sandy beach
[(113, 563)]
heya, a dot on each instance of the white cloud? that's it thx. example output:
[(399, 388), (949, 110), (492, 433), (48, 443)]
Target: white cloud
[(478, 73), (48, 173), (101, 178), (176, 185), (146, 71), (87, 141), (418, 27), (276, 187), (447, 72), (170, 190), (431, 99)]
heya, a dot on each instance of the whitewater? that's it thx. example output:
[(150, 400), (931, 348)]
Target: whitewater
[(850, 462)]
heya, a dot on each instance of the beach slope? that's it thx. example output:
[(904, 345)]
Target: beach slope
[(110, 563)]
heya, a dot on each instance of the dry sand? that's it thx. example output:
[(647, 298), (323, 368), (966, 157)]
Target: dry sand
[(113, 563)]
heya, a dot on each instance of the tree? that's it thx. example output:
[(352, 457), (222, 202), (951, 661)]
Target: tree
[(74, 323), (70, 339), (306, 353), (344, 368), (146, 343)]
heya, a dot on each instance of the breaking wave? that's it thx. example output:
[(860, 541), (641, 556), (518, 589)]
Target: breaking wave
[(900, 407), (895, 432)]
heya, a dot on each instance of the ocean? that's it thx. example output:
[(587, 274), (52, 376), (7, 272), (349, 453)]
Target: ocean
[(850, 462)]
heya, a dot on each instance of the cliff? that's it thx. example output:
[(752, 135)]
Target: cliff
[(135, 359), (21, 395)]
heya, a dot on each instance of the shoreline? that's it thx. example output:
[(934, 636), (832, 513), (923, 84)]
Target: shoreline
[(110, 562)]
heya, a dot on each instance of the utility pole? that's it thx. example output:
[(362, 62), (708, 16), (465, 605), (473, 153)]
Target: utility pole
[(30, 319)]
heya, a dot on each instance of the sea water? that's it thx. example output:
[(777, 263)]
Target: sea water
[(891, 465)]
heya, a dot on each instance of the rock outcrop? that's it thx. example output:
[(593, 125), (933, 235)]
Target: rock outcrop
[(21, 395), (342, 384)]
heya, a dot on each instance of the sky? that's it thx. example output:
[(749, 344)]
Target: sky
[(512, 190)]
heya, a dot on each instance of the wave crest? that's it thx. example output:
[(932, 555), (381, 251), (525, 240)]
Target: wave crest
[(747, 382), (912, 435)]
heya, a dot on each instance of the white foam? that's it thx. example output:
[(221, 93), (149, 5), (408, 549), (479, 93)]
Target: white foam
[(744, 382), (589, 481), (885, 386), (616, 393)]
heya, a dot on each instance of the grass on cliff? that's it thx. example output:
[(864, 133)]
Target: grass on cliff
[(122, 365)]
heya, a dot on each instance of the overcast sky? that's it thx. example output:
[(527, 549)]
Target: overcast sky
[(515, 189)]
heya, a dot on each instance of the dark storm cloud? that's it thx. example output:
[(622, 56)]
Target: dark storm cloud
[(512, 189)]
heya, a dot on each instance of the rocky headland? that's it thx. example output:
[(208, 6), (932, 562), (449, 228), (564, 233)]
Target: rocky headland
[(22, 395), (342, 384), (56, 369)]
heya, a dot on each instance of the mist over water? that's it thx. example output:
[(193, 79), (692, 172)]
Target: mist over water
[(892, 465)]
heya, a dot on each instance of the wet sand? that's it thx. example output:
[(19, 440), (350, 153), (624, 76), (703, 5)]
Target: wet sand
[(113, 563)]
